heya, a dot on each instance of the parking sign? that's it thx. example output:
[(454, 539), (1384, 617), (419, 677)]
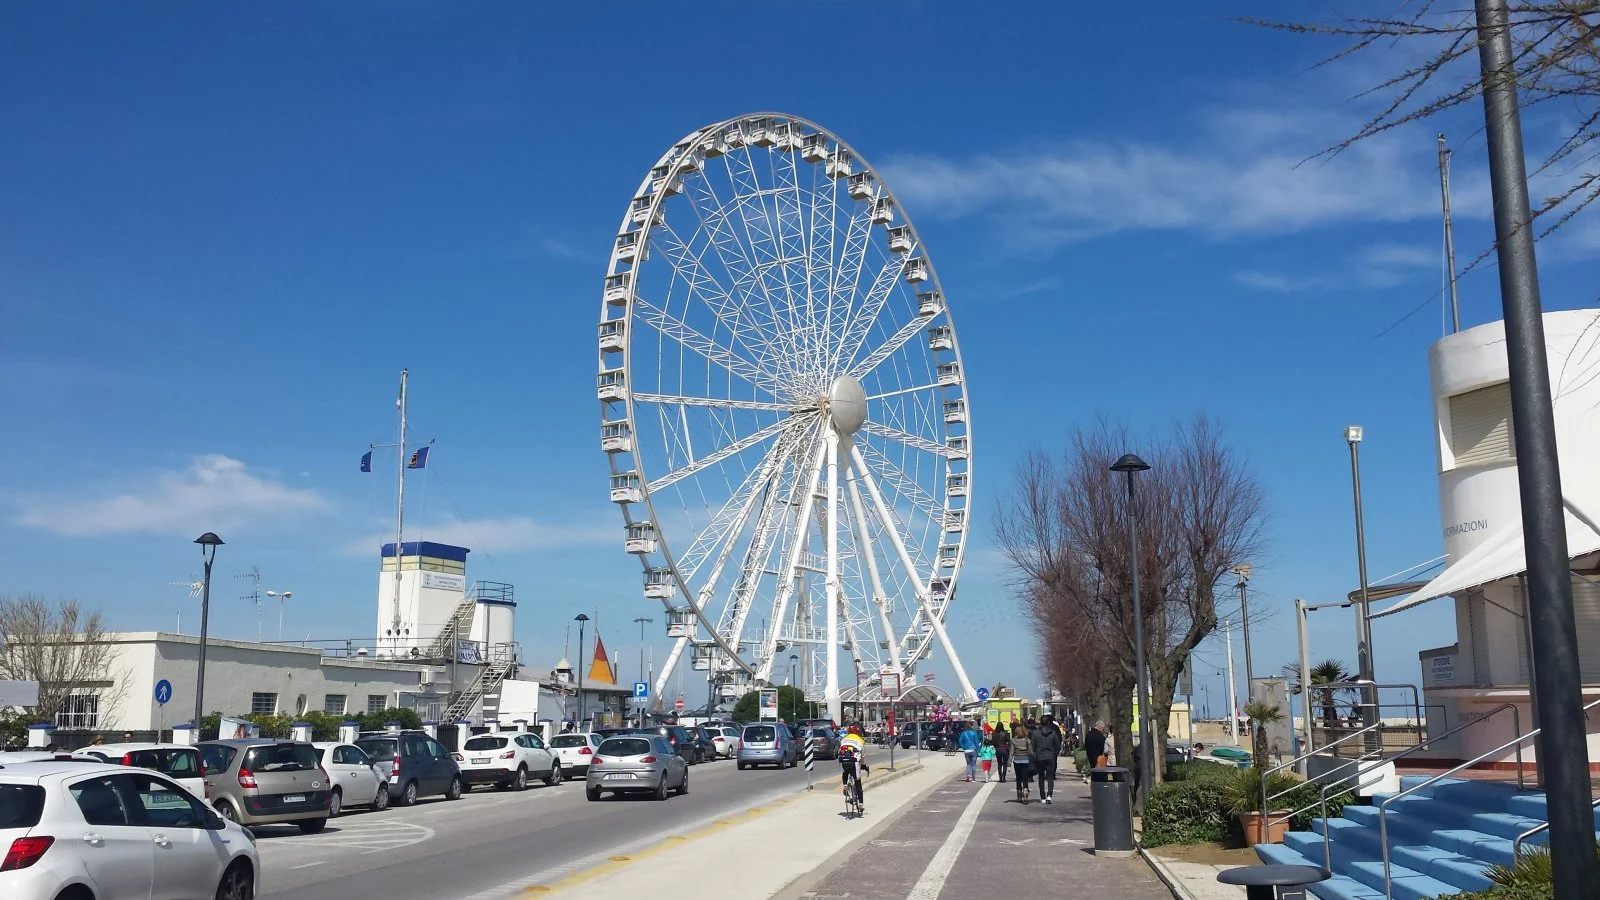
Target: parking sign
[(641, 690)]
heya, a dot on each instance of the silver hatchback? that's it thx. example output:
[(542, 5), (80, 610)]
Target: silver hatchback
[(637, 763)]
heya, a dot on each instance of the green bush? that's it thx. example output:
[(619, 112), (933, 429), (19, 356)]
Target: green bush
[(1199, 771), (1500, 892), (1186, 812), (1306, 794), (1080, 759)]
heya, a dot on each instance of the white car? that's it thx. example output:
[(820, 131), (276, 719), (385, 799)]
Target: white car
[(179, 762), (356, 779), (576, 749), (506, 759), (71, 828), (725, 738)]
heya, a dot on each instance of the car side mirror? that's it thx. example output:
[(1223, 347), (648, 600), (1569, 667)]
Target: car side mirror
[(214, 822)]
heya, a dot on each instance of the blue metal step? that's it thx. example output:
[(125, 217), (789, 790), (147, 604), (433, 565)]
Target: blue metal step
[(1339, 887)]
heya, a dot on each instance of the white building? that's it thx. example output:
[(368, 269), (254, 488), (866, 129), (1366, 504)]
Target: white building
[(1481, 526)]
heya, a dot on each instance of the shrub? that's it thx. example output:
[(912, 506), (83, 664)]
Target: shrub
[(1199, 771), (1186, 812), (1080, 759), (1500, 892)]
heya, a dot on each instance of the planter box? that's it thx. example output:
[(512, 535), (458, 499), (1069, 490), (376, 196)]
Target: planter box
[(1257, 831)]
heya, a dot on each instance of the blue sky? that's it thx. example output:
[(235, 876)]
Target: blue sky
[(226, 228)]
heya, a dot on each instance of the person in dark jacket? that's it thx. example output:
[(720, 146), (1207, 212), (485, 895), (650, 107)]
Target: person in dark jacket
[(1094, 745), (1046, 752), (1001, 739)]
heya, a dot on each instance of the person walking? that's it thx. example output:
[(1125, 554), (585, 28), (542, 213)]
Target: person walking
[(1001, 741), (969, 742), (1094, 745), (1046, 752), (986, 759), (1021, 755)]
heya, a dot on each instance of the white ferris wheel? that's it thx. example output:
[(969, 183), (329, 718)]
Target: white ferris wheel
[(785, 412)]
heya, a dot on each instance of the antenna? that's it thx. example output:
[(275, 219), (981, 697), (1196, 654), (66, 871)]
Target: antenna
[(253, 578), (194, 585), (282, 596)]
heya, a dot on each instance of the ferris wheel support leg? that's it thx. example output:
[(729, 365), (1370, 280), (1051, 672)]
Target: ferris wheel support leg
[(669, 665), (830, 691), (880, 598), (786, 588), (968, 694)]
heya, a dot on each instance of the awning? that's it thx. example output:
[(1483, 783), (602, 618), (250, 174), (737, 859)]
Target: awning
[(1501, 555)]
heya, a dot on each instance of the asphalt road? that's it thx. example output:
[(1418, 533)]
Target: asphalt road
[(489, 840)]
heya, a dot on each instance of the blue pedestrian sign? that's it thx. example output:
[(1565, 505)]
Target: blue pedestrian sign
[(163, 691), (641, 690), (983, 694)]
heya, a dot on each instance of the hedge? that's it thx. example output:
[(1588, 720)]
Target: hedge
[(1191, 806)]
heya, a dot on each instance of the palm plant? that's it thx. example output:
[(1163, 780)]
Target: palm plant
[(1327, 672), (1261, 715)]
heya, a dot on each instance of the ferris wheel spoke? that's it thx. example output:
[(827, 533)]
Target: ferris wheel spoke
[(718, 455), (910, 440), (866, 314), (903, 485), (790, 569), (728, 521), (683, 333), (879, 596), (888, 347), (761, 238), (713, 402), (723, 303)]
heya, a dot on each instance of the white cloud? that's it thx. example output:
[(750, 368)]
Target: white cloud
[(506, 534), (1273, 281), (215, 493)]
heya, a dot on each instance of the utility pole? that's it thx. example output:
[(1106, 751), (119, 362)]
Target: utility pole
[(1449, 235), (1364, 668), (1233, 697), (1243, 571), (1551, 624)]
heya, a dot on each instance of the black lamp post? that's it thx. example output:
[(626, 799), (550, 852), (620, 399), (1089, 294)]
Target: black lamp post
[(793, 661), (209, 542), (1130, 464), (581, 620)]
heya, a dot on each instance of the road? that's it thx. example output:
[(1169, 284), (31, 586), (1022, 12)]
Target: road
[(488, 841)]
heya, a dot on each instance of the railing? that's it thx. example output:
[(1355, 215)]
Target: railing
[(1516, 845), (1267, 773), (1383, 808), (1327, 833)]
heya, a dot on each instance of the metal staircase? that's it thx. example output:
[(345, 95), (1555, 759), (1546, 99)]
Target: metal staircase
[(460, 622), (486, 687)]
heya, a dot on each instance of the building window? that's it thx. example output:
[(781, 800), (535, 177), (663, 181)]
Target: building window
[(262, 702), (79, 712), (334, 704), (377, 703), (1480, 426)]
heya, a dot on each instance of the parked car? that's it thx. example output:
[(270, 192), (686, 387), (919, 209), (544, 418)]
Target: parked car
[(824, 742), (414, 765), (931, 735), (725, 738), (507, 759), (637, 763), (179, 762), (80, 828), (677, 736), (262, 781), (356, 779), (705, 748), (575, 749), (766, 744)]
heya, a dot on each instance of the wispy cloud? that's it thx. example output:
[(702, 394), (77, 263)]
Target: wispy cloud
[(1373, 266), (214, 493), (505, 534), (1276, 282)]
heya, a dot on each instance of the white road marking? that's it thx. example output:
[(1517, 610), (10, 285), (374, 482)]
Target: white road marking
[(1066, 841), (1010, 843), (309, 865), (933, 877), (366, 836)]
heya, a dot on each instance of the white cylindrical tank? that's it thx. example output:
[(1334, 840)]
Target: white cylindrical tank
[(495, 623), (1478, 492)]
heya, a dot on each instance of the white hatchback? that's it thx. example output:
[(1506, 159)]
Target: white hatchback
[(506, 759), (356, 779), (117, 833), (576, 750), (725, 738), (179, 762)]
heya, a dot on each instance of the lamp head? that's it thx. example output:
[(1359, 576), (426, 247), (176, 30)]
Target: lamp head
[(581, 618), (209, 539), (1242, 570), (1352, 434), (1129, 463)]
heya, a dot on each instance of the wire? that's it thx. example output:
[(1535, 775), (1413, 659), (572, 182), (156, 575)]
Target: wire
[(463, 520)]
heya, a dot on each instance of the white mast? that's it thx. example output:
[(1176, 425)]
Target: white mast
[(1233, 699), (400, 508), (1449, 235)]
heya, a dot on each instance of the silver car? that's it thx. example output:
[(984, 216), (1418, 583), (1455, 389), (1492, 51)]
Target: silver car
[(766, 744), (638, 763)]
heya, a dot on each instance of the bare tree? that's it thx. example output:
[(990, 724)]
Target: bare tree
[(61, 646), (1064, 529)]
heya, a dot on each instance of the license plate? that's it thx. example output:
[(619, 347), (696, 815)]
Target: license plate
[(294, 798), (481, 761), (618, 776)]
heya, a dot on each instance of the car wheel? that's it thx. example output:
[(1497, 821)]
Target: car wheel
[(454, 791), (661, 789), (519, 782), (226, 810), (592, 793), (380, 801), (555, 776), (740, 765), (311, 826), (684, 788), (237, 883), (335, 804), (408, 794)]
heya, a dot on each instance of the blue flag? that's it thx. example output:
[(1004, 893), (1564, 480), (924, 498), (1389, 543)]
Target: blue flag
[(366, 461), (419, 459)]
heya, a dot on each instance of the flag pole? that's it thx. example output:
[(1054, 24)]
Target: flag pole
[(400, 509)]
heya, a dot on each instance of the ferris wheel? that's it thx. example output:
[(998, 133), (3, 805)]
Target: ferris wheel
[(785, 413)]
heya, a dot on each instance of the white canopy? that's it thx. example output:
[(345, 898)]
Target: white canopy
[(1501, 555)]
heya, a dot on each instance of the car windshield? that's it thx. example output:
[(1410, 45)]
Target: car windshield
[(20, 805), (217, 757), (280, 758), (625, 747), (569, 740), (179, 763), (760, 733), (484, 743), (379, 748)]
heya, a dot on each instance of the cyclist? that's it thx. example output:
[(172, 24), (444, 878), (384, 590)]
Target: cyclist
[(853, 764)]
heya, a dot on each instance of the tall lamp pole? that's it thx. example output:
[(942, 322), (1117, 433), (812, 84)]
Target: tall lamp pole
[(642, 621), (1243, 571), (581, 620), (1369, 696), (1129, 464), (794, 660), (209, 542), (1551, 624)]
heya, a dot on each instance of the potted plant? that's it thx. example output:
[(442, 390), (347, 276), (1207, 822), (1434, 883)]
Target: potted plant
[(1243, 799)]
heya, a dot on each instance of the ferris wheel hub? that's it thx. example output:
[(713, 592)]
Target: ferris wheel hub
[(847, 404)]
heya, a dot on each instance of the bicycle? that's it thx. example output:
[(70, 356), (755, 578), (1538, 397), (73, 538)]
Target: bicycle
[(854, 797)]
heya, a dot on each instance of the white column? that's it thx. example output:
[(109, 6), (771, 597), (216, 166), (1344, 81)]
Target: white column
[(830, 692), (880, 598)]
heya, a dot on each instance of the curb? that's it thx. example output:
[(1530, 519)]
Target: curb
[(1174, 884)]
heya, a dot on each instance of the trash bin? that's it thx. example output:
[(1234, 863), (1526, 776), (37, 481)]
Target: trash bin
[(1112, 795)]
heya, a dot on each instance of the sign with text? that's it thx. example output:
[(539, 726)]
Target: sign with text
[(444, 581), (769, 704), (468, 652)]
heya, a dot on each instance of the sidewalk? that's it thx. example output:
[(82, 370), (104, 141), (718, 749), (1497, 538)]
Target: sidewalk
[(1192, 880), (758, 854)]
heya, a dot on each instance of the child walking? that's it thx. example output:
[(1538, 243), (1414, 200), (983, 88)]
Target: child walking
[(986, 759)]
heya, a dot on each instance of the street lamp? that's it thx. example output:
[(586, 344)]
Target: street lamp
[(794, 660), (642, 621), (1243, 571), (209, 542), (282, 596), (1129, 464), (581, 620), (1369, 696)]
